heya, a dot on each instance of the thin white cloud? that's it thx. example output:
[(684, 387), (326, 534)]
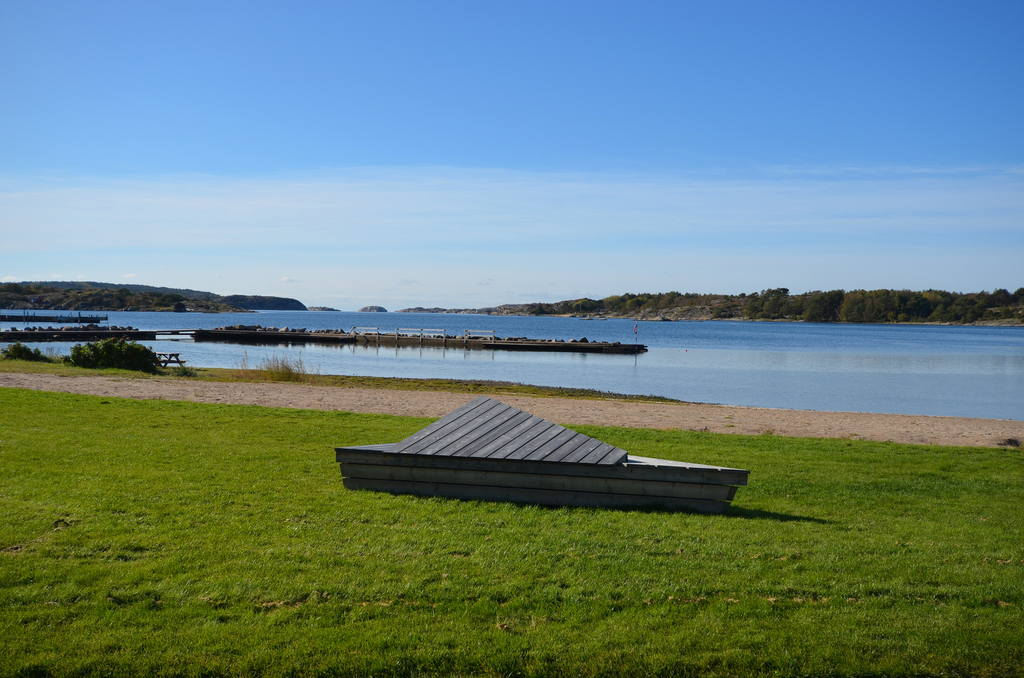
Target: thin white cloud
[(129, 275), (10, 278), (355, 233)]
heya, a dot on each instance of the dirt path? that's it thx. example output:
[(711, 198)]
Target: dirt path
[(717, 418)]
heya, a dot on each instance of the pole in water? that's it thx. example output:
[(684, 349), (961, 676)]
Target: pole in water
[(636, 344)]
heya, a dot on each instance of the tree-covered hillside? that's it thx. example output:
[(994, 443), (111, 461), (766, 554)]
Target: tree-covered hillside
[(45, 297), (882, 306), (88, 296), (856, 306)]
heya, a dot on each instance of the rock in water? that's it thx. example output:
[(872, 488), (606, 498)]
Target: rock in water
[(373, 309)]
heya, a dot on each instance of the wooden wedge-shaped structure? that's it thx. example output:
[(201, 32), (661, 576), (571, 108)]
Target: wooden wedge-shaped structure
[(491, 451)]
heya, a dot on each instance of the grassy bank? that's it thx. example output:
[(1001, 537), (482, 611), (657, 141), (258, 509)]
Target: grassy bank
[(276, 369), (169, 538)]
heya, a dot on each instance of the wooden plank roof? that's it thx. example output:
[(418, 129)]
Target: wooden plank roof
[(488, 429)]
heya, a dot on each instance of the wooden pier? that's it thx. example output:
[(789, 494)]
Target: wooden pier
[(80, 334)]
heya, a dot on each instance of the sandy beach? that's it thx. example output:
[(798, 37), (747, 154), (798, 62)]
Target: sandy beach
[(688, 416)]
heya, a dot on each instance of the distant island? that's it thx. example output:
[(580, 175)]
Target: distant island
[(856, 306), (999, 307), (97, 296), (260, 303)]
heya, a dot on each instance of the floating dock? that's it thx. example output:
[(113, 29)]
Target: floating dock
[(79, 334), (487, 450)]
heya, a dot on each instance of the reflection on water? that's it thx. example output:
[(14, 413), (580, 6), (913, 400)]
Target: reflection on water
[(962, 371)]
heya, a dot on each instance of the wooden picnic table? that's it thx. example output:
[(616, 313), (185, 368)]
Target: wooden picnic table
[(166, 359)]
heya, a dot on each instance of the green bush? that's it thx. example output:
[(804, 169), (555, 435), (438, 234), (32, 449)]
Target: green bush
[(19, 351), (184, 371), (125, 355)]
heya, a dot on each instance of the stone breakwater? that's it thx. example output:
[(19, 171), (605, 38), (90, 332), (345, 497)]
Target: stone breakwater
[(255, 334), (284, 336)]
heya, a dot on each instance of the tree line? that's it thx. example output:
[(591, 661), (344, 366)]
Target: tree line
[(885, 306), (855, 306)]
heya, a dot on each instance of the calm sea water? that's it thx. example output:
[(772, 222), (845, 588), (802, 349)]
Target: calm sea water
[(960, 371)]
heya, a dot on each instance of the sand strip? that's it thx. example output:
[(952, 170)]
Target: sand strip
[(717, 418)]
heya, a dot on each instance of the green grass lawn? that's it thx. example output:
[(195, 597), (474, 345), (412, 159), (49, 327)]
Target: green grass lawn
[(168, 538)]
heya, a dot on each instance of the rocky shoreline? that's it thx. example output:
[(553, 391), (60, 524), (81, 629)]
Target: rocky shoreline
[(687, 314), (882, 306)]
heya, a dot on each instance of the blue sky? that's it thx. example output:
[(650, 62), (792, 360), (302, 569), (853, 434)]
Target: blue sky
[(467, 154)]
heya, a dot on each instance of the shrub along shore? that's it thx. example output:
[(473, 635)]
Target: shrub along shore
[(108, 353), (173, 538)]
